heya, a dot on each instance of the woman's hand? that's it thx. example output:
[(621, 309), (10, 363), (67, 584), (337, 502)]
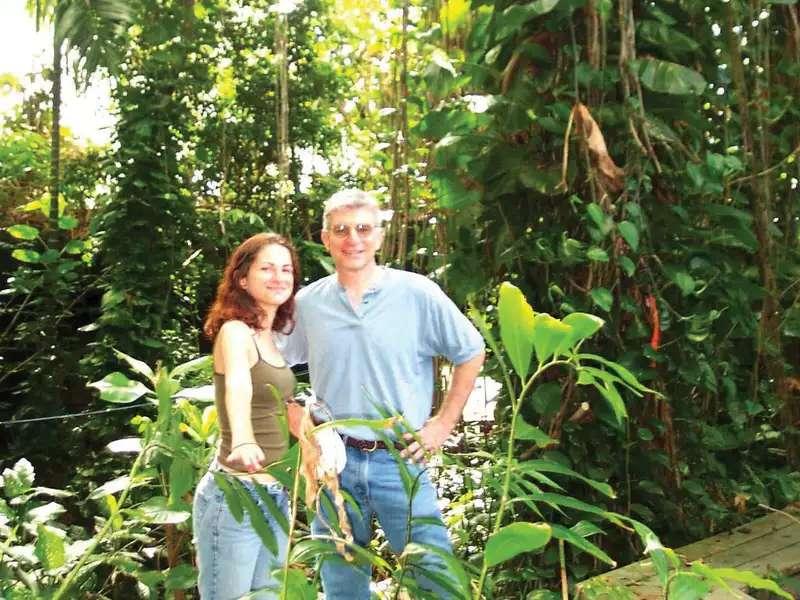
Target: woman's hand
[(246, 456)]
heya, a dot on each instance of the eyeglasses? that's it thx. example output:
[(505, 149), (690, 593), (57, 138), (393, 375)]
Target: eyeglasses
[(363, 230)]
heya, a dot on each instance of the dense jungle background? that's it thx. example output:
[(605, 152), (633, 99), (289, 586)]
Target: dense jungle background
[(636, 160)]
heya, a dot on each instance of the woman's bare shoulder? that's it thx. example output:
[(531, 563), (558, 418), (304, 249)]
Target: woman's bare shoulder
[(235, 329)]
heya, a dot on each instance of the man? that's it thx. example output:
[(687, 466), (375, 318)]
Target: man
[(369, 335)]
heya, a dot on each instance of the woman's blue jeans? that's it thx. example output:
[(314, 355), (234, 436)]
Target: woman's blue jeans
[(231, 558), (373, 480)]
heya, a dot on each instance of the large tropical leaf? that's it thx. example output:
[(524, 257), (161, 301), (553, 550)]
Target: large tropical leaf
[(670, 78)]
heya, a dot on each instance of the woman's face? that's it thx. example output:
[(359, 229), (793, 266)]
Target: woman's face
[(270, 279)]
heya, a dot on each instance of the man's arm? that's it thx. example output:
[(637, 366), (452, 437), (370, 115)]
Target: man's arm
[(439, 427)]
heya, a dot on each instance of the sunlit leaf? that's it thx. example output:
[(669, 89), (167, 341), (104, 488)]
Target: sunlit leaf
[(23, 232), (137, 365), (50, 548), (131, 445), (110, 487), (549, 335), (27, 256), (583, 326), (196, 364), (117, 388), (45, 512), (203, 393), (516, 327)]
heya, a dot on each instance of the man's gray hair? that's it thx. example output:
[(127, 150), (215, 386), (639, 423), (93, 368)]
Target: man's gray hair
[(351, 199)]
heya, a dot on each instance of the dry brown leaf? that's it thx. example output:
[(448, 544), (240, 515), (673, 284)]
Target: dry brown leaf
[(310, 455), (610, 175)]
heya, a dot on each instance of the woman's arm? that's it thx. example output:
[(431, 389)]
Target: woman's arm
[(235, 346)]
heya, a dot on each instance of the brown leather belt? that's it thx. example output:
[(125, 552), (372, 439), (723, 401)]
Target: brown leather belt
[(369, 445)]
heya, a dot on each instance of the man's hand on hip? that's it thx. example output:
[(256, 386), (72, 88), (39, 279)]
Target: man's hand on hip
[(428, 440)]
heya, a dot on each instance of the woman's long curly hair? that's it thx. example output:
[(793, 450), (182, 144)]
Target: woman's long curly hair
[(234, 303)]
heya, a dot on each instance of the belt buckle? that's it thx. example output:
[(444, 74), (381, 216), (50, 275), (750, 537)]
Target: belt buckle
[(374, 446)]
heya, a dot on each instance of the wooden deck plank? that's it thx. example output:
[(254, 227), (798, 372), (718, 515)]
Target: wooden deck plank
[(766, 545), (743, 534), (757, 550)]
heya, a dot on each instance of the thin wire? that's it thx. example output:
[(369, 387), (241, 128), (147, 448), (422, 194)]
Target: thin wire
[(71, 415), (88, 412)]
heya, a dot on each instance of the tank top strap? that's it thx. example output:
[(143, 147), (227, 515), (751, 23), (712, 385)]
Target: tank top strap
[(258, 352)]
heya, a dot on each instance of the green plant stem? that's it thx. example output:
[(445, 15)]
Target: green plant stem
[(69, 580), (563, 562), (515, 406), (295, 487), (414, 489)]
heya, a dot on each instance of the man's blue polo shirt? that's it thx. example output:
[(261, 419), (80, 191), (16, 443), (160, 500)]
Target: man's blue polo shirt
[(379, 353)]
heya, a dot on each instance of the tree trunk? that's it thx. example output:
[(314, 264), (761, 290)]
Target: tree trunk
[(769, 348), (55, 133), (284, 189)]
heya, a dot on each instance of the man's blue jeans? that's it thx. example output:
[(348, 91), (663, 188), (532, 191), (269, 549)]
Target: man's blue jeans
[(231, 557), (373, 480)]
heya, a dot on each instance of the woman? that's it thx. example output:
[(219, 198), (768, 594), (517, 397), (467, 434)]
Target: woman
[(255, 299)]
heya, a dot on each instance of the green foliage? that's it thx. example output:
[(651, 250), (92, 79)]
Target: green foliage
[(468, 124)]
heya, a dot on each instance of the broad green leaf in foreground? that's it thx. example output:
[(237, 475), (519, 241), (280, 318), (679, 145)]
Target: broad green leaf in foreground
[(515, 539)]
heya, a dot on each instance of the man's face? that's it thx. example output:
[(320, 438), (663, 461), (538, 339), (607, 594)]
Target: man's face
[(353, 237)]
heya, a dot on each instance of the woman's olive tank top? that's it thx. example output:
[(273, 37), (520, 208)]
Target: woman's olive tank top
[(272, 387)]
